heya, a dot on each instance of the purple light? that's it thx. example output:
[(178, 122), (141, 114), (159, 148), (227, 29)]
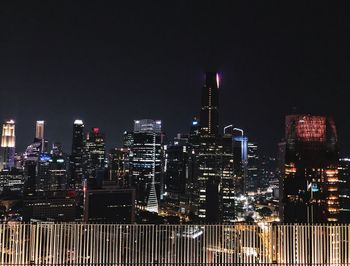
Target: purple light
[(217, 80)]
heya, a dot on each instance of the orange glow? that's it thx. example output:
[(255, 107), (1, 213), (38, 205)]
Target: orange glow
[(331, 172)]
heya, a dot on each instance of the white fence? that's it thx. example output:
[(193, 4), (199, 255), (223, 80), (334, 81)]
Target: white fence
[(115, 244)]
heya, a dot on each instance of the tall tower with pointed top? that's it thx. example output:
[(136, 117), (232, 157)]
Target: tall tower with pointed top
[(209, 158), (209, 115)]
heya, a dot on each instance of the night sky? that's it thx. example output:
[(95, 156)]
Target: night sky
[(109, 64)]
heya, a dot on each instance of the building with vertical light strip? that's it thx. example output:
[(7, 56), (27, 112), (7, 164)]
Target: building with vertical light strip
[(309, 180), (209, 114), (8, 145), (209, 165)]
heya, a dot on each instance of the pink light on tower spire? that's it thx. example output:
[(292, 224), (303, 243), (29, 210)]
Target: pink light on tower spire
[(217, 80)]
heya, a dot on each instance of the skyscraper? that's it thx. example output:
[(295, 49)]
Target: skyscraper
[(119, 166), (177, 170), (344, 189), (77, 155), (95, 151), (252, 182), (194, 133), (39, 134), (31, 158), (240, 155), (58, 168), (39, 130), (309, 180), (8, 144), (227, 186), (145, 156), (209, 115), (209, 164)]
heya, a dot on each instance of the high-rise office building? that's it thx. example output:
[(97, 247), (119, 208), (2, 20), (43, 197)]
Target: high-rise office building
[(43, 172), (194, 139), (209, 115), (146, 163), (58, 168), (177, 170), (344, 189), (227, 185), (208, 161), (119, 167), (39, 134), (95, 152), (252, 180), (11, 182), (31, 158), (240, 155), (309, 181), (39, 130), (8, 144), (77, 155), (128, 139)]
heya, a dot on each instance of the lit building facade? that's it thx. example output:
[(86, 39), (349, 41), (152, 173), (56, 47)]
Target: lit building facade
[(209, 114), (8, 145), (309, 180), (39, 134), (178, 175), (39, 130), (77, 155), (119, 167), (43, 182), (240, 155), (58, 171), (194, 136), (11, 181), (209, 153), (344, 189), (227, 186), (252, 181), (31, 158), (146, 163), (95, 153)]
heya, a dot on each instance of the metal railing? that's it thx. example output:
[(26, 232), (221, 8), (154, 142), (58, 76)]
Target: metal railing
[(115, 244)]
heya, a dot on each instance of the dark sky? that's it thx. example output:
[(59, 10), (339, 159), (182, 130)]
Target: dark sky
[(110, 63)]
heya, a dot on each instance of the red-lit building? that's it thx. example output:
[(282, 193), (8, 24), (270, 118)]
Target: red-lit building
[(309, 179)]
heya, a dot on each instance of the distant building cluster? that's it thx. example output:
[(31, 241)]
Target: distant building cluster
[(206, 175)]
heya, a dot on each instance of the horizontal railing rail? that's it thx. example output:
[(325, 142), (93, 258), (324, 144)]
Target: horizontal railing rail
[(131, 244)]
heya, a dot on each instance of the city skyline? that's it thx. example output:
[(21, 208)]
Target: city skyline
[(174, 133), (112, 70), (118, 140)]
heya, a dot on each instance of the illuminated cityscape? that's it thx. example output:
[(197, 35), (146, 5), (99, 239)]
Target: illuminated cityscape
[(204, 193), (174, 134)]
